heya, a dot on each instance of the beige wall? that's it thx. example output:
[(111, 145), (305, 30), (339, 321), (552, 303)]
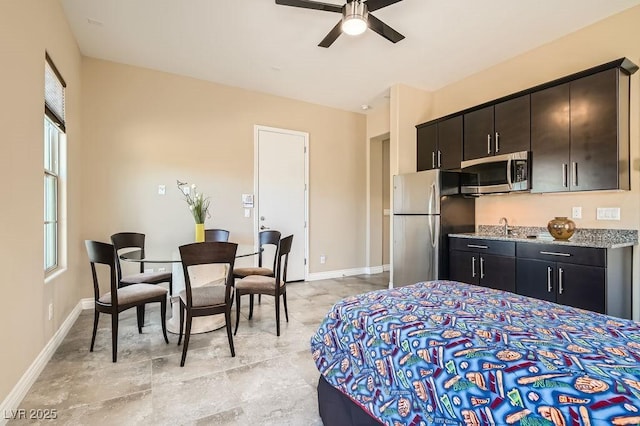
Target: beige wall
[(27, 29), (145, 128)]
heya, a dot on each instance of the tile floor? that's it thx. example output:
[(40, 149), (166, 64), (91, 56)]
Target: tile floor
[(271, 381)]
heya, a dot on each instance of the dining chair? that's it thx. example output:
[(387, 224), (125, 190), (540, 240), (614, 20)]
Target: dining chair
[(118, 299), (268, 237), (216, 235), (207, 299), (134, 240), (273, 286)]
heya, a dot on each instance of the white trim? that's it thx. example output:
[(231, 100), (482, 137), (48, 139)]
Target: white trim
[(327, 275), (256, 130), (87, 303), (17, 394)]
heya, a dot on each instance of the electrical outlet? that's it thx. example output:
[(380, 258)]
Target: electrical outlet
[(323, 258), (162, 269), (162, 189), (576, 213)]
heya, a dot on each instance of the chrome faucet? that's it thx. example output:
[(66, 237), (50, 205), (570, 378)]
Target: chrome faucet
[(504, 222)]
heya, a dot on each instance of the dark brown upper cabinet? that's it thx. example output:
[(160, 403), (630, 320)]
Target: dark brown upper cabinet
[(576, 127), (497, 129), (440, 144), (580, 134)]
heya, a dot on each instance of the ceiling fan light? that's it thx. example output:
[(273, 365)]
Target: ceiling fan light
[(354, 26), (354, 18)]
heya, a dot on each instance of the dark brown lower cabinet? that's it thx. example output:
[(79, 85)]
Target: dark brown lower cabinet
[(595, 279), (475, 264), (573, 285)]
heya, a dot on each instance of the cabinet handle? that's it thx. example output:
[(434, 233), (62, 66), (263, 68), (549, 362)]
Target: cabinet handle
[(564, 175), (473, 267), (477, 246), (560, 289), (497, 142), (433, 160), (489, 144), (481, 267), (439, 158), (549, 287), (575, 173), (552, 253)]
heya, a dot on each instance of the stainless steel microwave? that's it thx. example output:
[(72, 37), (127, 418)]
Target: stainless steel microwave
[(499, 173)]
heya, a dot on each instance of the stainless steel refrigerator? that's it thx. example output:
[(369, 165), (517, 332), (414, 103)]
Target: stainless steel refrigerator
[(427, 207)]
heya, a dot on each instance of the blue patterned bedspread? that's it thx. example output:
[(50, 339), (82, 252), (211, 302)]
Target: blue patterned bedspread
[(444, 352)]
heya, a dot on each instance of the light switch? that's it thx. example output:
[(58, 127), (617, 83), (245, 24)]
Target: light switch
[(162, 189), (608, 213)]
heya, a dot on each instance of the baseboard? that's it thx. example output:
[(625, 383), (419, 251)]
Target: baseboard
[(12, 402), (327, 275), (87, 303)]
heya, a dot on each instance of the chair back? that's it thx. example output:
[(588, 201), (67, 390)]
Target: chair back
[(285, 249), (269, 237), (102, 254), (123, 240), (216, 235), (208, 253)]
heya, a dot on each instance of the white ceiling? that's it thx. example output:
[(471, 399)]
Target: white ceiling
[(258, 45)]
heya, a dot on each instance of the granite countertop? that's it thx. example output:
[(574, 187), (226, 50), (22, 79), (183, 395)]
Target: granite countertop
[(595, 238)]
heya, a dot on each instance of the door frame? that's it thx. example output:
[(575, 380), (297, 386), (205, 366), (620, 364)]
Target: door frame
[(256, 131)]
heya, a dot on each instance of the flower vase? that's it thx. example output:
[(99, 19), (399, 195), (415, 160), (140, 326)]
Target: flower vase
[(199, 232)]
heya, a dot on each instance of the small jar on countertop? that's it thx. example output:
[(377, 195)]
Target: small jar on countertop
[(561, 228)]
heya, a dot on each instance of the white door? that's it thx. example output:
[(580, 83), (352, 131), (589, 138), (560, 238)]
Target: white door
[(281, 187)]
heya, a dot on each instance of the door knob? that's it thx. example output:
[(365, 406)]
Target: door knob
[(262, 227)]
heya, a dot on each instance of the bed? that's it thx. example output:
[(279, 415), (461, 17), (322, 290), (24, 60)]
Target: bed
[(448, 353)]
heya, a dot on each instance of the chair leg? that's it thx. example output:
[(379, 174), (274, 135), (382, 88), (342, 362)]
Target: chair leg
[(277, 316), (259, 299), (250, 306), (170, 286), (114, 336), (284, 299), (163, 318), (237, 311), (96, 315), (140, 315), (187, 334), (182, 309), (227, 319)]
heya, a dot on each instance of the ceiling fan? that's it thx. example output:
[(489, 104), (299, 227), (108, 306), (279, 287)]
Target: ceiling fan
[(356, 18)]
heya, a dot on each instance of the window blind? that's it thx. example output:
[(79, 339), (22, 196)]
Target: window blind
[(54, 86)]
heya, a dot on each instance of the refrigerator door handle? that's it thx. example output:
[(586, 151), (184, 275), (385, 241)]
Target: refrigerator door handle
[(432, 194), (433, 231)]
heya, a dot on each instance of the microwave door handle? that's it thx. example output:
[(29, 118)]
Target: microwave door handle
[(509, 182)]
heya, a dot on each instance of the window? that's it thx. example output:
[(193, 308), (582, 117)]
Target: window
[(54, 132)]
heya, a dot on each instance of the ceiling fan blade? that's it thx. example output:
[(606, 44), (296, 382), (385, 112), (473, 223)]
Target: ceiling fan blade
[(332, 36), (373, 5), (307, 4), (384, 30)]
